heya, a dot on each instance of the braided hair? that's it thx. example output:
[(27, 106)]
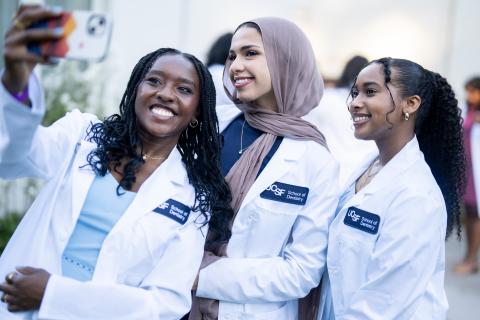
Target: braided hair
[(438, 127), (116, 138)]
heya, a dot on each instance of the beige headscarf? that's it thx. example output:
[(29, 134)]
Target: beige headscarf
[(298, 88)]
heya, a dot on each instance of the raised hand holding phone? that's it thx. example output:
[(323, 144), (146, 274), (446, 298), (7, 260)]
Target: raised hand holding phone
[(86, 36), (19, 62)]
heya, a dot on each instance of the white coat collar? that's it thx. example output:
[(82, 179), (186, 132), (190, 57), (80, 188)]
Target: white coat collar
[(226, 113), (409, 154), (159, 187), (289, 152)]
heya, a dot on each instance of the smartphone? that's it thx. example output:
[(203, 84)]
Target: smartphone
[(86, 36)]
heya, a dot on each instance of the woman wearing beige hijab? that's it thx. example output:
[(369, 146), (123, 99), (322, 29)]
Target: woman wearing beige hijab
[(282, 177)]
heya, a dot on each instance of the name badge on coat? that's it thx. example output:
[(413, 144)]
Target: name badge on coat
[(288, 193), (362, 220), (174, 210)]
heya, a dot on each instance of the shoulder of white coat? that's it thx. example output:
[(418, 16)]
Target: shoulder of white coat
[(315, 159), (225, 114), (77, 122), (317, 156), (416, 185)]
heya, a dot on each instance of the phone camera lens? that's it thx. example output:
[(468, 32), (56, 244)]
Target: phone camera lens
[(96, 25)]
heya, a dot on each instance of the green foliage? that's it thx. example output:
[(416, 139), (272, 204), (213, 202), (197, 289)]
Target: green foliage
[(8, 224), (68, 87)]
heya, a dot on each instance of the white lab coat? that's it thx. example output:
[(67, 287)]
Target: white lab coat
[(277, 251), (397, 273), (148, 261)]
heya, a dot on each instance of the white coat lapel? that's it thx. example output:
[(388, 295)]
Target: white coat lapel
[(287, 154), (164, 183), (398, 164), (82, 178), (226, 114)]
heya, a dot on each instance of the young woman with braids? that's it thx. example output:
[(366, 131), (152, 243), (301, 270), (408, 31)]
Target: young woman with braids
[(386, 249), (118, 231)]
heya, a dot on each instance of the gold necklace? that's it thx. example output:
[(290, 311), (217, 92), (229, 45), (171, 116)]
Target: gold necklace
[(149, 157), (368, 175), (375, 163)]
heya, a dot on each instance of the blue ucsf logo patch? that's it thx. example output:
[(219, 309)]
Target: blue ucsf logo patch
[(174, 210), (362, 220), (287, 193)]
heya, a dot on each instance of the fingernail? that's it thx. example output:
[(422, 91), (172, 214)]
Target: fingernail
[(58, 31)]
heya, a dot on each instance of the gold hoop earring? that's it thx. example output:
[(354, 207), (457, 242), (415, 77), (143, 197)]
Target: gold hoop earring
[(406, 116), (194, 123)]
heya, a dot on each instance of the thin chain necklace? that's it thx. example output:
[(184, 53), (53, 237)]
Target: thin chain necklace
[(375, 163), (241, 140), (368, 175), (149, 157)]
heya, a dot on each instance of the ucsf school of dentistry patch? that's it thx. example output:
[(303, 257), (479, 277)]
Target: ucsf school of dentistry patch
[(362, 220), (174, 210), (287, 193)]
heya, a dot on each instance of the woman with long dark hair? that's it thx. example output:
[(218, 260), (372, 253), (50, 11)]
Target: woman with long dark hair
[(119, 229), (386, 248)]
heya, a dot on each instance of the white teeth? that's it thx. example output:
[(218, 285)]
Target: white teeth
[(360, 118), (242, 81), (162, 112)]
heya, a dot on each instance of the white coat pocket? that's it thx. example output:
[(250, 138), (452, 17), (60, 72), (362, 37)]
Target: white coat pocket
[(270, 225)]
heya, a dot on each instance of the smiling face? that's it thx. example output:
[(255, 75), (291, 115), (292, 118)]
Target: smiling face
[(374, 114), (249, 70), (167, 98)]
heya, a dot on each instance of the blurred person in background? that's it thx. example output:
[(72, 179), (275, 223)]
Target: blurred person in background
[(217, 55), (386, 246), (471, 127), (118, 230), (282, 176), (333, 119)]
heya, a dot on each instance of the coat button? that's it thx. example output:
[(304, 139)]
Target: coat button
[(253, 217)]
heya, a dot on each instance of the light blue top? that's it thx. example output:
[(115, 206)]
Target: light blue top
[(101, 210)]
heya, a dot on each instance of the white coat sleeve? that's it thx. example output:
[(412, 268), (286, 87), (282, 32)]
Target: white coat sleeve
[(28, 149), (403, 260), (291, 276), (164, 294)]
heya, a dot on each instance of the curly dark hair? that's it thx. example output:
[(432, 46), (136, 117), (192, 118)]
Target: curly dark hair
[(117, 138), (438, 127)]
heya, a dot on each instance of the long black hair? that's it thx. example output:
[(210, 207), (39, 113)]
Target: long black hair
[(117, 138), (438, 127)]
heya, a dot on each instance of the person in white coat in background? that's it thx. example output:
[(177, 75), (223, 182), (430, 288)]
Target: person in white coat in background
[(118, 231), (334, 121), (386, 248), (282, 177)]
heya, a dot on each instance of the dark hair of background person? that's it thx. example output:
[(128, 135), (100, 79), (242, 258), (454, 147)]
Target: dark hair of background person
[(199, 147), (350, 71), (473, 83), (438, 127), (218, 53)]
